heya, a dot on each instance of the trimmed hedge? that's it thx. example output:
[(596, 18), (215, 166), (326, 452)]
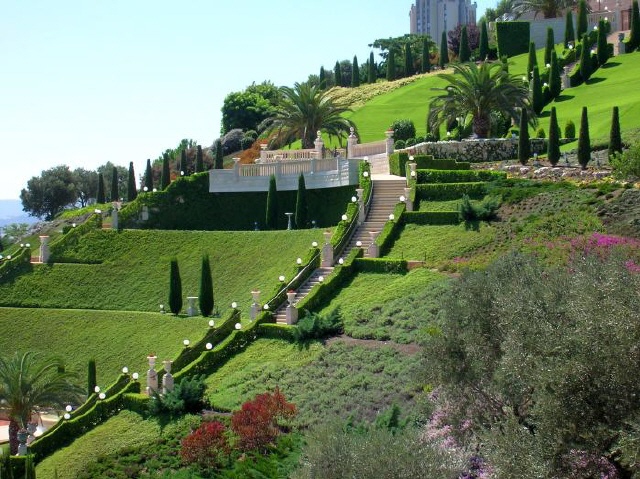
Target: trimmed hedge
[(19, 263), (512, 37), (381, 265), (450, 191), (431, 217), (446, 176), (70, 239), (391, 230), (428, 162), (397, 163), (276, 331)]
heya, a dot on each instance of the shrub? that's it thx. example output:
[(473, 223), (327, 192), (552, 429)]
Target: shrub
[(271, 212), (399, 145), (231, 141), (450, 191), (584, 142), (186, 397), (615, 140), (381, 265), (540, 133), (207, 446), (512, 37), (175, 287), (316, 326), (419, 139), (403, 129), (627, 165), (570, 129), (553, 146), (484, 211), (410, 142), (459, 176), (431, 217), (253, 134), (92, 380), (205, 298), (524, 146), (246, 143)]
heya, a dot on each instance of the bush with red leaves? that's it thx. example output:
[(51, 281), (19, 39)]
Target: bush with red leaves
[(207, 446)]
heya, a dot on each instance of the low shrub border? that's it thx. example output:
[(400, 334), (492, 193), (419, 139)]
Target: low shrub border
[(431, 217), (450, 191), (19, 263), (460, 176), (381, 265), (391, 230)]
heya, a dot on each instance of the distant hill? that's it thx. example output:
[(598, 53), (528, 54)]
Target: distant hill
[(11, 212)]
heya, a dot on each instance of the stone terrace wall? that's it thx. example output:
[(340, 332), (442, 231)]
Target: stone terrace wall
[(475, 151)]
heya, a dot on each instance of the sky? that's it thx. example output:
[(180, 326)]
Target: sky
[(85, 82)]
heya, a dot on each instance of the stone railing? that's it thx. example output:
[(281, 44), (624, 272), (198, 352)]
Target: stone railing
[(278, 155), (474, 151), (356, 150)]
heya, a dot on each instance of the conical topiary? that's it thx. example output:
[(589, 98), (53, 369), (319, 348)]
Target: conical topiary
[(205, 298), (553, 146), (615, 140), (524, 147), (584, 142), (175, 288)]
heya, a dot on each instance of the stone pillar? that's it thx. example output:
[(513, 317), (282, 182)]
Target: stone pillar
[(352, 141), (152, 376), (236, 169), (44, 249), (361, 213), (144, 216), (255, 306), (319, 144), (114, 219), (263, 152), (374, 250), (313, 165), (565, 78), (278, 169), (292, 311), (191, 308), (22, 442), (389, 141), (621, 46), (327, 251), (167, 379), (407, 199)]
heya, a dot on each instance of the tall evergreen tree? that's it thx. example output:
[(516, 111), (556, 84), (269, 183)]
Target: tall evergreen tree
[(175, 288), (585, 59), (271, 214), (532, 61), (148, 176), (115, 194), (205, 299), (426, 62), (408, 61), (549, 47), (301, 203), (100, 195), (165, 177), (484, 41), (583, 23), (464, 55), (569, 32), (371, 71), (219, 157), (92, 378), (603, 51), (183, 163), (553, 146), (537, 100), (444, 51), (355, 73), (524, 147), (391, 64), (634, 35), (584, 142), (199, 160), (323, 78), (337, 72), (132, 191), (555, 81), (615, 140)]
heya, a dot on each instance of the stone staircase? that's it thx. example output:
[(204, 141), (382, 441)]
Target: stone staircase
[(302, 291)]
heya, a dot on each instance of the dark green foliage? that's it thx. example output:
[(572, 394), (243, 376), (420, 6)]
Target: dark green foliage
[(483, 211), (540, 133), (219, 155), (92, 380), (634, 36), (48, 194), (132, 190), (322, 79), (450, 191), (199, 160), (484, 41), (457, 176), (425, 64), (245, 110), (115, 194), (555, 81), (444, 51), (183, 163), (301, 204), (175, 288), (549, 47), (583, 24), (524, 146), (431, 217), (512, 37), (165, 176), (337, 72), (408, 61), (584, 142), (603, 49), (355, 73), (626, 166), (553, 147), (585, 60), (570, 129), (403, 129), (399, 145), (382, 265), (615, 140), (148, 177), (316, 326), (465, 52), (187, 397), (569, 32), (271, 213), (532, 60), (205, 298), (100, 195), (391, 65), (371, 69), (537, 100)]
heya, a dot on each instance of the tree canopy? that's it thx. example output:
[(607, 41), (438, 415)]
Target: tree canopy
[(48, 194), (247, 109)]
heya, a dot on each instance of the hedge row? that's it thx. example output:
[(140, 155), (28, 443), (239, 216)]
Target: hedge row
[(343, 230), (431, 217), (391, 230), (276, 331), (462, 176), (19, 263), (513, 38), (381, 265), (450, 191), (428, 162), (70, 239)]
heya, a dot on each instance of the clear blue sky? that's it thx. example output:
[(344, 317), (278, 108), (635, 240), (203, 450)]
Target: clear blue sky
[(86, 82)]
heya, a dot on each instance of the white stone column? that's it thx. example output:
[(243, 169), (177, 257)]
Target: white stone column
[(114, 218), (327, 250), (389, 141), (292, 311), (374, 250), (191, 307), (167, 379), (44, 249), (144, 216), (407, 199), (361, 212), (319, 144), (352, 141), (263, 152), (152, 376), (236, 169), (565, 78), (255, 306)]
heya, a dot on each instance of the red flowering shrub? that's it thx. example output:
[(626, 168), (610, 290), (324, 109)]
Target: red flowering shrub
[(207, 446), (256, 423)]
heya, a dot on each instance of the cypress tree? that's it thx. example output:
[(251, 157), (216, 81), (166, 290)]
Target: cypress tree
[(301, 203), (199, 160), (634, 35), (92, 380), (484, 41), (569, 32), (132, 192), (549, 47), (524, 147), (408, 61), (100, 196), (426, 63), (271, 214), (603, 51), (537, 100), (205, 299), (323, 79), (175, 288), (555, 82), (585, 59), (615, 140), (219, 158), (583, 23), (148, 176), (464, 54), (553, 147), (355, 73), (165, 177), (337, 72), (183, 163), (533, 61), (584, 143), (115, 196), (444, 51), (371, 72), (391, 65)]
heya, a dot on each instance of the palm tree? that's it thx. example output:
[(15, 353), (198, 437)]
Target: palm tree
[(304, 110), (28, 382), (477, 90), (548, 8)]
